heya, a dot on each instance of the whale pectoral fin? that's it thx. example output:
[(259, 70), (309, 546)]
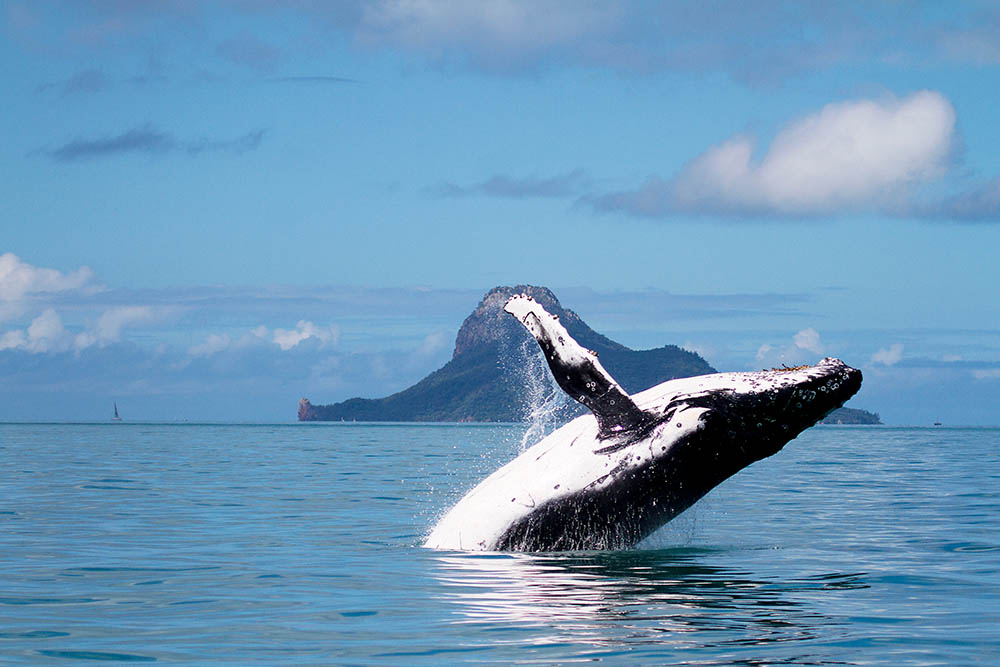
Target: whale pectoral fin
[(578, 371)]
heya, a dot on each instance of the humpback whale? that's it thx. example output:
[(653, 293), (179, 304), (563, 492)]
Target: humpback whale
[(608, 479)]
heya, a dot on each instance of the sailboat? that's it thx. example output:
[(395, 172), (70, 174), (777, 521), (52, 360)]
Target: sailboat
[(116, 418)]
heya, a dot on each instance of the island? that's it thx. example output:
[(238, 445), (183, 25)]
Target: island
[(853, 416)]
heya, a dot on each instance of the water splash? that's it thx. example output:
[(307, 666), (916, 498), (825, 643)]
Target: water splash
[(544, 405)]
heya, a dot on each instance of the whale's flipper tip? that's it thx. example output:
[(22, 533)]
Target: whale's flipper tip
[(577, 369)]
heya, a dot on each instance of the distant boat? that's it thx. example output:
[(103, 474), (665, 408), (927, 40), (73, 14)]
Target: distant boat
[(116, 418), (937, 423)]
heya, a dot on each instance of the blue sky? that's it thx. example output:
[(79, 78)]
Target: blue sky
[(212, 209)]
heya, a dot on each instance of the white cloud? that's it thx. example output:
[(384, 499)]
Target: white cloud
[(111, 322), (847, 156), (986, 373), (432, 343), (804, 348), (429, 347), (20, 280), (499, 32), (213, 343), (763, 352), (888, 356), (808, 339), (109, 326), (45, 334), (12, 340), (702, 349), (286, 339)]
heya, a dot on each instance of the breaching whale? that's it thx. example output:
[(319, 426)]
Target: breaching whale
[(608, 479)]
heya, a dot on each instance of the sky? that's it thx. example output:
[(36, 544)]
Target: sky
[(212, 209)]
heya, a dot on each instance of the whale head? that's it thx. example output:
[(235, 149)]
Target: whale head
[(755, 412)]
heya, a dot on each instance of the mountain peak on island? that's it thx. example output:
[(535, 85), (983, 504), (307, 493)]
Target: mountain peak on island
[(486, 379), (489, 324)]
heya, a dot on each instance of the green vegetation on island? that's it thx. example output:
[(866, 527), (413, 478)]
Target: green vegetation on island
[(851, 416)]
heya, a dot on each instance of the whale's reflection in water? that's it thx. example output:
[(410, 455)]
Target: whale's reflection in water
[(668, 596)]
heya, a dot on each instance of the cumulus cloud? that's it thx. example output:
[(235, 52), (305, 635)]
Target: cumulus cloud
[(806, 345), (45, 334), (847, 156), (432, 343), (23, 285), (12, 340), (213, 344), (111, 322), (808, 339), (18, 279), (286, 339), (704, 350), (149, 140), (888, 356)]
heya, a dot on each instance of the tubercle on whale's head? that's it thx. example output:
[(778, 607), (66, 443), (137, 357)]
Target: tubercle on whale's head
[(777, 405)]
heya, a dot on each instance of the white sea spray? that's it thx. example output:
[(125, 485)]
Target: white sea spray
[(543, 402)]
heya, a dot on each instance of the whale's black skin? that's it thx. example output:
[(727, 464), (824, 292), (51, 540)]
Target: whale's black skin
[(737, 431), (583, 378), (647, 459)]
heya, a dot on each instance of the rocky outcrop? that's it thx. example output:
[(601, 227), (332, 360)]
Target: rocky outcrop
[(486, 379)]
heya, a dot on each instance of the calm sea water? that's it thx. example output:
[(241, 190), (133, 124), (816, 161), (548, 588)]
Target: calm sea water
[(301, 544)]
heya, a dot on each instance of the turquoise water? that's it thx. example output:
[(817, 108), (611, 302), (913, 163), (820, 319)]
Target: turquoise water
[(300, 544)]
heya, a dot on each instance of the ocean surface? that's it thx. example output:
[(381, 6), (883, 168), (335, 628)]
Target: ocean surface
[(300, 544)]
